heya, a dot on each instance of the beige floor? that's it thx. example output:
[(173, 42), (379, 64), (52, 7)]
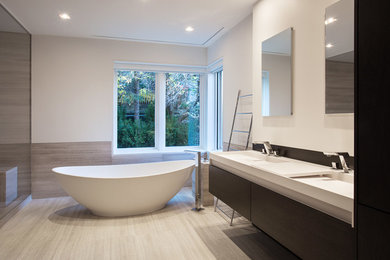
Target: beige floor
[(59, 228)]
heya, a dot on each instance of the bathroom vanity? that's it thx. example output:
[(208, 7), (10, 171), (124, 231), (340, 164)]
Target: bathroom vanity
[(306, 207)]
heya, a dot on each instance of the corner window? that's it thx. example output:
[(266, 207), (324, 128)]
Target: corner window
[(265, 93)]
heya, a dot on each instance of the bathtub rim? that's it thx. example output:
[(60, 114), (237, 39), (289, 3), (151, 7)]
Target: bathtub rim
[(191, 163)]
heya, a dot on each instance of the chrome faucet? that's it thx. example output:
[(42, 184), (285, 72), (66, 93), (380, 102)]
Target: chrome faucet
[(342, 160), (268, 148), (198, 177)]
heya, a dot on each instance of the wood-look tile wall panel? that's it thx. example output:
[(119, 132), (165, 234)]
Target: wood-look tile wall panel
[(339, 87), (14, 88), (15, 122), (46, 156), (12, 155)]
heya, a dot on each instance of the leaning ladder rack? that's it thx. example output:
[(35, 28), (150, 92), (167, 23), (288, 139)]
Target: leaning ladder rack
[(248, 132), (239, 97)]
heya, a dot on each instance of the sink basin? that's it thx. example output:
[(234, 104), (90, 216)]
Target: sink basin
[(250, 156), (276, 165), (340, 176)]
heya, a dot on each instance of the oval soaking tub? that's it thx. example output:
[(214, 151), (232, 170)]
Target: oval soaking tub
[(124, 190)]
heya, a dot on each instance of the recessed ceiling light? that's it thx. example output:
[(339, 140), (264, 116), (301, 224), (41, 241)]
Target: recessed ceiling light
[(330, 20), (64, 16), (189, 29), (329, 45)]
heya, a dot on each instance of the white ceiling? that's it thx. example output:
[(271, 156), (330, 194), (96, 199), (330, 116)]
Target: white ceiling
[(142, 20)]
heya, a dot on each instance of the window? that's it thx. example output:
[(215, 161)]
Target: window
[(157, 110), (265, 92), (136, 109), (182, 109)]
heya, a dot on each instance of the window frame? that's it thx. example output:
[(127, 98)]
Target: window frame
[(160, 117), (218, 81), (265, 94)]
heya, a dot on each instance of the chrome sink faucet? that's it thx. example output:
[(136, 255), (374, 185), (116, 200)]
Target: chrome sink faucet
[(342, 159), (267, 147)]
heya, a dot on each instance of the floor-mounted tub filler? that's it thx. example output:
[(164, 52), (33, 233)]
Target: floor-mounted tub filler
[(124, 190)]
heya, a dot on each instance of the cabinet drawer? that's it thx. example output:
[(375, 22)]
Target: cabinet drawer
[(231, 189), (307, 232)]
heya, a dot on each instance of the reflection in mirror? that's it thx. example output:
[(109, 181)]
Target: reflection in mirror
[(276, 75), (339, 45)]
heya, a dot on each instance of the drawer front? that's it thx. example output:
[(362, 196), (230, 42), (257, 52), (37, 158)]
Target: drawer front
[(231, 189), (308, 233)]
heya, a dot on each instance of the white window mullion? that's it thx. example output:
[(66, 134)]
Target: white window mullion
[(115, 114), (160, 111), (204, 113)]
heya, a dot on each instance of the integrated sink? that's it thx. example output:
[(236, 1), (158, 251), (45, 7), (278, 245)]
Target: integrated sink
[(332, 176), (276, 165), (341, 176)]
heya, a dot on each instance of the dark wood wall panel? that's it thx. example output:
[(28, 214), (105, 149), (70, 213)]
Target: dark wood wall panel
[(46, 156)]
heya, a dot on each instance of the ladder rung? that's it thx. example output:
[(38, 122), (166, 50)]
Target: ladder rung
[(231, 149), (240, 131), (249, 95), (245, 113)]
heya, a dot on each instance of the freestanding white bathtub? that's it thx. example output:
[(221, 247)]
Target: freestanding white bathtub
[(124, 190)]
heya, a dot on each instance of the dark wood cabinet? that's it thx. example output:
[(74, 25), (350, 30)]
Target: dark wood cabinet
[(373, 93), (231, 189), (374, 234), (372, 136), (307, 232)]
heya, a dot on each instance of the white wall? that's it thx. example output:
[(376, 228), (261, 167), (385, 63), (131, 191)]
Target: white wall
[(308, 127), (72, 79), (235, 47), (72, 83)]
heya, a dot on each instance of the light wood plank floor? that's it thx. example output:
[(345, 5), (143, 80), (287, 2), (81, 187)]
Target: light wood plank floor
[(59, 228)]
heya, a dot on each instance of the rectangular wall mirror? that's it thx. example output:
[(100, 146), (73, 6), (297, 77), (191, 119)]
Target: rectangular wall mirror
[(339, 46), (276, 75)]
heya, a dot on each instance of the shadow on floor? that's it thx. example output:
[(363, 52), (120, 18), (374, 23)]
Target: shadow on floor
[(253, 243), (257, 245)]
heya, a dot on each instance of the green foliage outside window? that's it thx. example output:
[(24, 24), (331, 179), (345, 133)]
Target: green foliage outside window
[(136, 109)]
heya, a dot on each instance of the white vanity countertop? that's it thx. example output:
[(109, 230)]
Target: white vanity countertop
[(308, 183)]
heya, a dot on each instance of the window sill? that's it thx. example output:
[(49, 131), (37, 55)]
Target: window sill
[(167, 150)]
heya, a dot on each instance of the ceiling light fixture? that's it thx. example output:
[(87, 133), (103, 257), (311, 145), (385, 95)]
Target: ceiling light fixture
[(189, 29), (330, 20), (64, 16), (329, 45)]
